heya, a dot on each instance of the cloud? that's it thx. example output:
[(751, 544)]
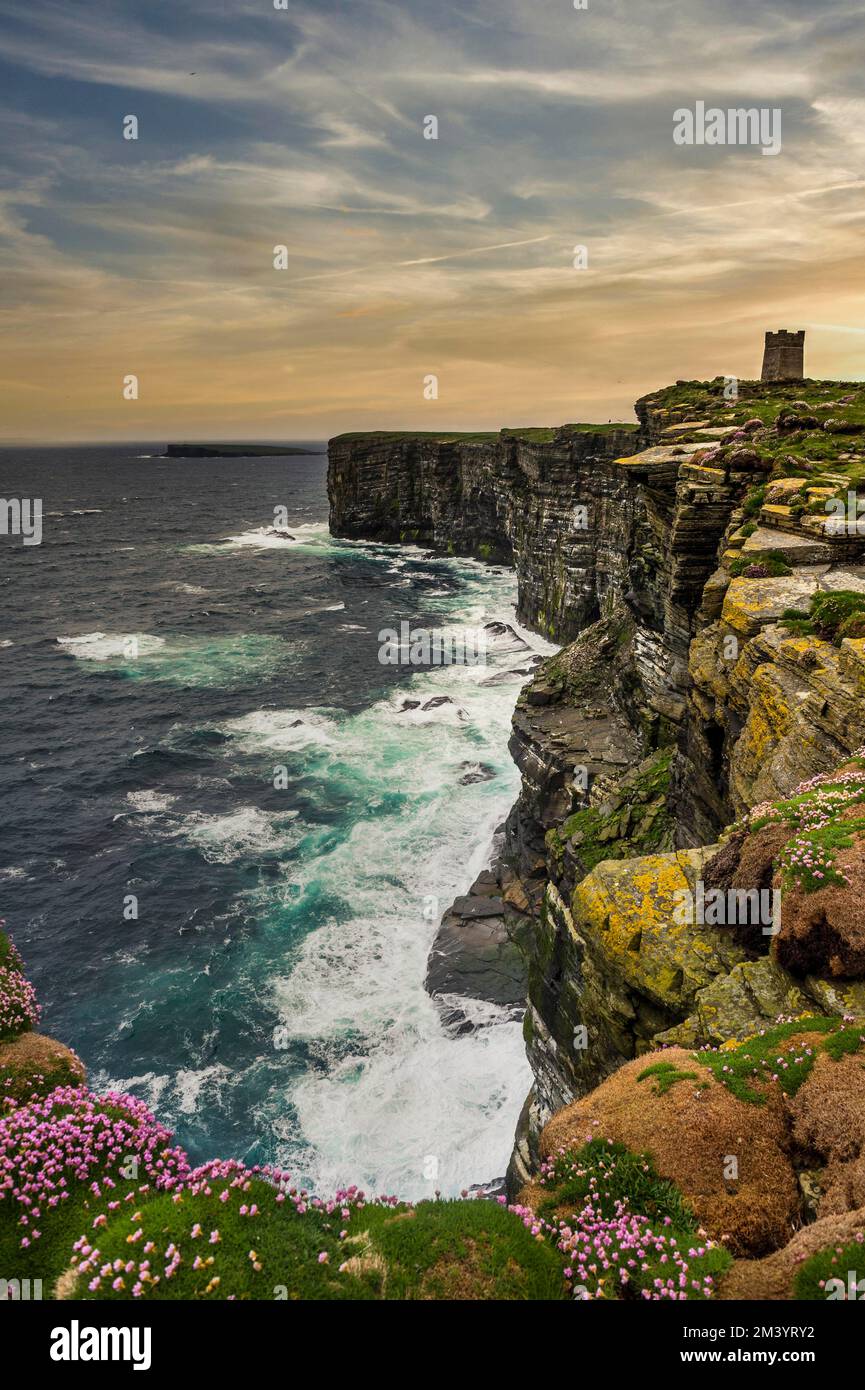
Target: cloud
[(304, 128)]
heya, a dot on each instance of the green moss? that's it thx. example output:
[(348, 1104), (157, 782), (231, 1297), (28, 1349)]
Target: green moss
[(754, 501), (667, 1075), (636, 820), (830, 610), (769, 1055), (797, 622), (774, 565)]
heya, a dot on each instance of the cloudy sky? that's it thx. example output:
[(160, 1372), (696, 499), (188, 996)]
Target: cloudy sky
[(407, 257)]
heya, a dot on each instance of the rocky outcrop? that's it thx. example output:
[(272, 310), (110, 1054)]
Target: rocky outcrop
[(769, 709), (670, 1107), (473, 956)]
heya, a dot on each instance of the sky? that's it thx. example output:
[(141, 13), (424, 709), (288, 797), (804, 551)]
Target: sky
[(406, 257)]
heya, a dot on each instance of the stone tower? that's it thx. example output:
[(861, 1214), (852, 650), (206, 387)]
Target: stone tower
[(784, 356)]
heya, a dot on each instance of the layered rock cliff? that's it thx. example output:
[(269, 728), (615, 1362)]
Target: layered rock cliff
[(681, 565), (514, 497)]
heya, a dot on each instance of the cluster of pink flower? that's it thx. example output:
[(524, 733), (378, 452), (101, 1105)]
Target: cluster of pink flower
[(808, 862), (805, 860), (19, 1010), (605, 1254), (219, 1178), (834, 791), (71, 1136)]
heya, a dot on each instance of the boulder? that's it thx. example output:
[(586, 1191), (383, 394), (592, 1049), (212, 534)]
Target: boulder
[(691, 1130)]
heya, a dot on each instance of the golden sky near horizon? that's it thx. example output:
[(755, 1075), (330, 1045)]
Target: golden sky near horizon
[(405, 256)]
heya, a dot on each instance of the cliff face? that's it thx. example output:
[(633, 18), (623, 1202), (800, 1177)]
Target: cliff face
[(508, 498), (681, 699)]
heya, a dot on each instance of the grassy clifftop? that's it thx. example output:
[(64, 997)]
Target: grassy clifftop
[(533, 434)]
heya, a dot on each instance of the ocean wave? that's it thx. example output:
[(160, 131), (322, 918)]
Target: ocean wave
[(245, 833), (283, 731)]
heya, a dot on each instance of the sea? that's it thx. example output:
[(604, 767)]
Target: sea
[(229, 828)]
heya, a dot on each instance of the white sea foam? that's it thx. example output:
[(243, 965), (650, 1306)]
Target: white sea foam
[(109, 646), (245, 832), (150, 802), (270, 537), (391, 1094), (189, 1084), (396, 1090), (288, 730), (263, 538), (181, 1091)]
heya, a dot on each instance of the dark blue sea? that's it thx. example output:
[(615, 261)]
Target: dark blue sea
[(221, 830)]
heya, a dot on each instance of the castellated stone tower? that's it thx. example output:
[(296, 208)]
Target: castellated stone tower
[(784, 356)]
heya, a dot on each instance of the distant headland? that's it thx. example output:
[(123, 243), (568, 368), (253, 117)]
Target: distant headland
[(235, 450)]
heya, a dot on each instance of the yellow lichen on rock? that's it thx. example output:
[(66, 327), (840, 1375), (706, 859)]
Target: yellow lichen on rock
[(639, 914)]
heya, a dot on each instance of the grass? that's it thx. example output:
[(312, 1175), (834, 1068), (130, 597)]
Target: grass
[(832, 616), (616, 1175), (835, 1262), (783, 452), (820, 821), (532, 434), (666, 1076), (754, 501), (773, 566), (49, 1256), (774, 1056), (435, 1250), (32, 1064), (831, 613)]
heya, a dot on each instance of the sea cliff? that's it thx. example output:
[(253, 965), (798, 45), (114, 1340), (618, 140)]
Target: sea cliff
[(710, 604)]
